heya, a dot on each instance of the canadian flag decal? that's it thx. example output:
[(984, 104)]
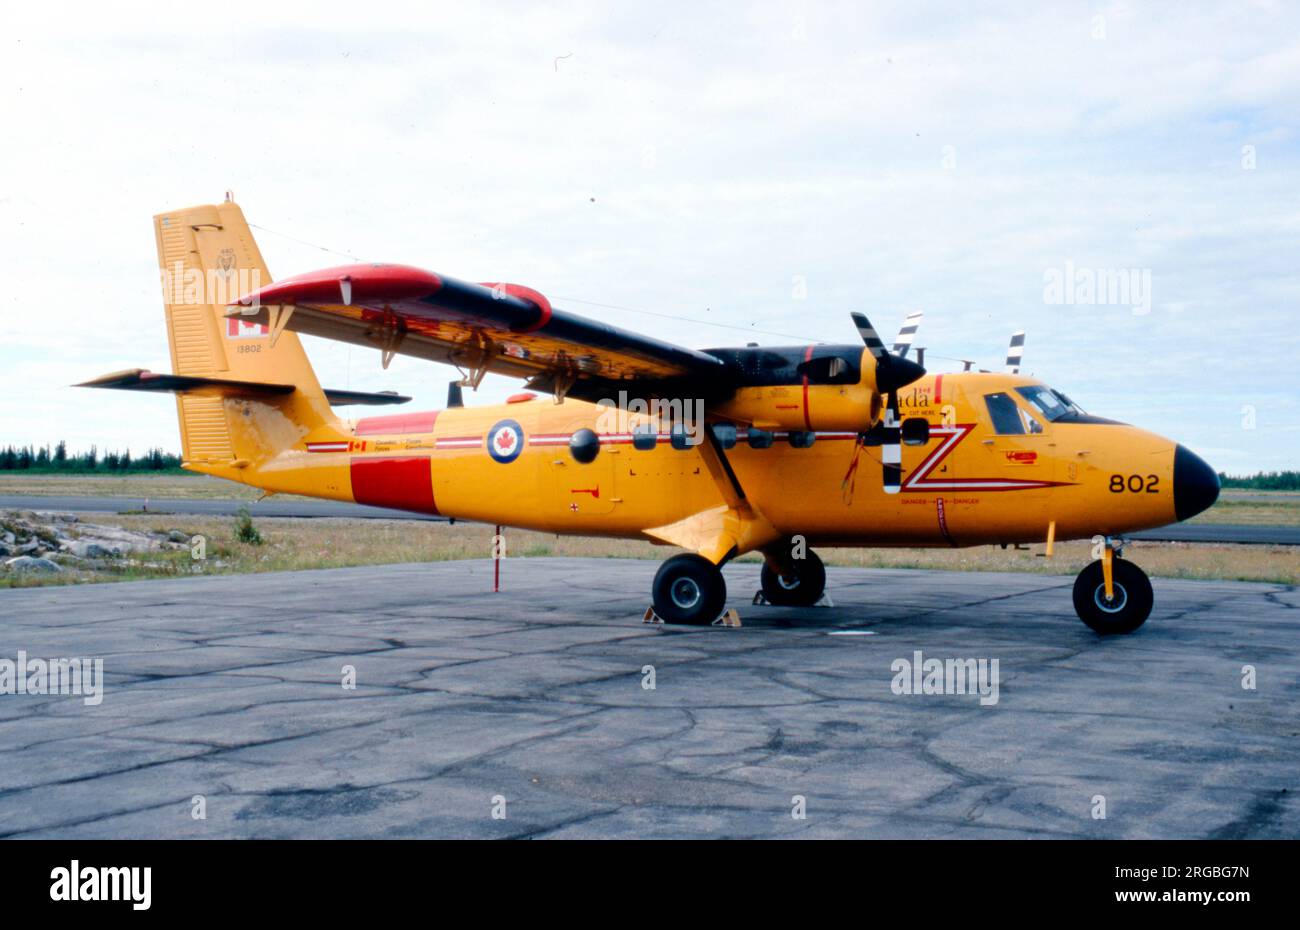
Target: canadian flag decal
[(245, 329)]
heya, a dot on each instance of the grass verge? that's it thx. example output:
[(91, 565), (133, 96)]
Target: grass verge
[(292, 544)]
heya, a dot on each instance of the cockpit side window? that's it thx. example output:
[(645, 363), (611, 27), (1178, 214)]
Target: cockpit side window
[(1032, 426), (1004, 414)]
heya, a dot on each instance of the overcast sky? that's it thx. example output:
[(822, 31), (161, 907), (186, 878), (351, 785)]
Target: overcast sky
[(767, 168)]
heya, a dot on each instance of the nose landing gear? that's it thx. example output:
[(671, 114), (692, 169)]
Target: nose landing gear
[(1112, 595)]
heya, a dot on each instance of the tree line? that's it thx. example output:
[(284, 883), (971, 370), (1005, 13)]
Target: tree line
[(58, 459), (1264, 481)]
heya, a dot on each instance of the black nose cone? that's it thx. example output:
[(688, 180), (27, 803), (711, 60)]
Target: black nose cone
[(1196, 486)]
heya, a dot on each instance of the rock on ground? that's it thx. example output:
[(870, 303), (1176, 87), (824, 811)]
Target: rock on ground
[(32, 540), (27, 563)]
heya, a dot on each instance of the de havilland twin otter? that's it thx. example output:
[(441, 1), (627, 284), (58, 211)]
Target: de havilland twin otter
[(720, 452)]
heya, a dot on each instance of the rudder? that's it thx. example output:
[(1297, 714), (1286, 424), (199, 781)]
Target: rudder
[(208, 258)]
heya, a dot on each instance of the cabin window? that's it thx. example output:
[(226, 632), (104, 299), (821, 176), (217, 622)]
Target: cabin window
[(1004, 414)]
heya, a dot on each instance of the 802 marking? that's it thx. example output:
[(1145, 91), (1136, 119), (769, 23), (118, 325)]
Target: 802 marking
[(1135, 484)]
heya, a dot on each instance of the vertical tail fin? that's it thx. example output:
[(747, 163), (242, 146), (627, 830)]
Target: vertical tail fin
[(208, 258)]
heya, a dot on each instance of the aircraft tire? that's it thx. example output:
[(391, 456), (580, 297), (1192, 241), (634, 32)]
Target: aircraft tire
[(808, 587), (689, 589), (1132, 603)]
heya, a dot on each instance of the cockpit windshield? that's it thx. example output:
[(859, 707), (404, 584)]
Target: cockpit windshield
[(1051, 404)]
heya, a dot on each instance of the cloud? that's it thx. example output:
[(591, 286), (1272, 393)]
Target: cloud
[(893, 159)]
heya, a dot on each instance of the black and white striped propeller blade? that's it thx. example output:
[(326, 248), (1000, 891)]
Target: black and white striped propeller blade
[(869, 336), (892, 373), (908, 333), (891, 447), (1015, 352)]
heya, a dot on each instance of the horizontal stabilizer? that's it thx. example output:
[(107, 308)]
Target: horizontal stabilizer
[(339, 398), (139, 379)]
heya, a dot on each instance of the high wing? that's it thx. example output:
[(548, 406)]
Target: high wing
[(506, 329)]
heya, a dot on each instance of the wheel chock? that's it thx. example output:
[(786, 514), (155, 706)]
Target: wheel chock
[(760, 599), (729, 618)]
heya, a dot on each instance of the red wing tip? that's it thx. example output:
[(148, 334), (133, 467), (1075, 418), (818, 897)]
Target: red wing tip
[(364, 281)]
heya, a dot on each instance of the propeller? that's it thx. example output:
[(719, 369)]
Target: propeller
[(1015, 351), (892, 373), (905, 335)]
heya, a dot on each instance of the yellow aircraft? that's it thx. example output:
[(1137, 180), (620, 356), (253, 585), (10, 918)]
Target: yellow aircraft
[(719, 452)]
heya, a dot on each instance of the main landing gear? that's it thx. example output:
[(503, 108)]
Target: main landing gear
[(802, 584), (689, 589), (1112, 595)]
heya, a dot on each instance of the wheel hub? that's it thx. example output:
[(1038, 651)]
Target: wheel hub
[(685, 593), (1113, 605)]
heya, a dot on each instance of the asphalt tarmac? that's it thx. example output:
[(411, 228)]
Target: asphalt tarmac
[(529, 714)]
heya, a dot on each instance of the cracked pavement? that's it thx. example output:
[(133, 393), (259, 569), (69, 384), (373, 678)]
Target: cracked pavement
[(230, 687)]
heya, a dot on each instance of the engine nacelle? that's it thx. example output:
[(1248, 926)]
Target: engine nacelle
[(834, 407), (811, 388)]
